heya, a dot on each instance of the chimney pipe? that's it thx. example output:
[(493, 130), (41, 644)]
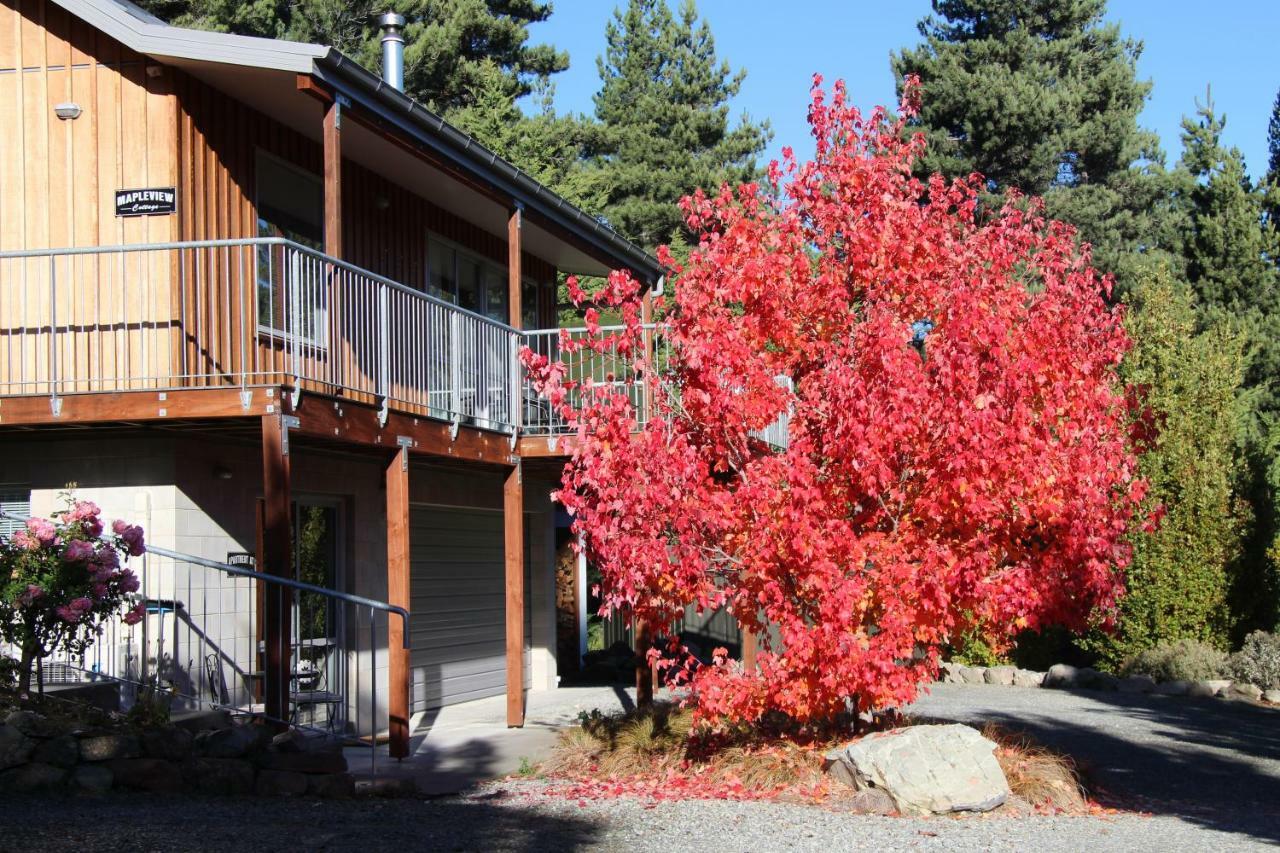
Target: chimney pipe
[(392, 49)]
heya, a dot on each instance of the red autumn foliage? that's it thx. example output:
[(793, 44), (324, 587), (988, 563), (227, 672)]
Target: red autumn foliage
[(978, 473)]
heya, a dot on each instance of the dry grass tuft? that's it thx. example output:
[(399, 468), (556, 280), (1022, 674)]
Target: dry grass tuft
[(1046, 779)]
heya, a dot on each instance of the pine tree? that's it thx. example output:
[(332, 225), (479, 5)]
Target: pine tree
[(449, 44), (664, 110), (1042, 96), (1273, 142)]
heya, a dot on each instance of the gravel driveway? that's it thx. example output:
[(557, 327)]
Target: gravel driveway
[(1208, 772)]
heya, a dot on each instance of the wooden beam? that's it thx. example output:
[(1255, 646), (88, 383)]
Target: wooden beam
[(333, 179), (344, 420), (398, 675), (748, 648), (141, 406), (277, 560), (513, 542), (513, 268), (543, 447), (644, 672)]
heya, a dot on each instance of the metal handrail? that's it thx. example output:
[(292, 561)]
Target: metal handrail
[(251, 241), (256, 575)]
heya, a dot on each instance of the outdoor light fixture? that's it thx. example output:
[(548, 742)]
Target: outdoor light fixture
[(67, 111)]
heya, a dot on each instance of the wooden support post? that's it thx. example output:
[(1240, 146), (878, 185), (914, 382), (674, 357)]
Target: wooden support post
[(513, 523), (398, 676), (333, 179), (513, 268), (277, 560), (748, 648), (260, 598), (644, 672)]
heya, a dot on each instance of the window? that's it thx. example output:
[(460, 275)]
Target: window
[(16, 501), (290, 204), (478, 285)]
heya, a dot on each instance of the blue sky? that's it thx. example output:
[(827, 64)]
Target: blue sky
[(1185, 49)]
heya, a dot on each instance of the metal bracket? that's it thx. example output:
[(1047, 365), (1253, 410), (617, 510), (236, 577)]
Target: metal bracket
[(405, 443), (55, 406), (383, 412), (552, 442), (246, 400), (287, 422), (453, 430), (296, 394), (515, 438), (514, 459)]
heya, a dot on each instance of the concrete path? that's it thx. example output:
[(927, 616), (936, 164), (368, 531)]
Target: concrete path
[(457, 747)]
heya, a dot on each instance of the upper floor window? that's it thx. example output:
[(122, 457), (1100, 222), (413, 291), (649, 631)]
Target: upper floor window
[(290, 204), (468, 280)]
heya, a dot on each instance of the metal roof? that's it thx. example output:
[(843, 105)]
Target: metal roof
[(147, 34)]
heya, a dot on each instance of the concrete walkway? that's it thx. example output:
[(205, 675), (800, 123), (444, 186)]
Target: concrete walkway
[(456, 747)]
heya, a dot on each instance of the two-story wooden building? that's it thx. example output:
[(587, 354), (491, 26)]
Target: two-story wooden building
[(247, 285)]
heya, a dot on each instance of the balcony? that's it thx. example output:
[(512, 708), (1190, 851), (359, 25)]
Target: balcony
[(238, 314)]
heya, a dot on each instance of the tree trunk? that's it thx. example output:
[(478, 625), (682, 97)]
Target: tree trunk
[(24, 668)]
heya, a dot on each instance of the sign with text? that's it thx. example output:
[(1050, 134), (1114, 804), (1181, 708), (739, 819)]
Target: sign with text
[(150, 201)]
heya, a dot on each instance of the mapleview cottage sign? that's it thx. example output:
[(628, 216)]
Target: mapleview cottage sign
[(150, 201)]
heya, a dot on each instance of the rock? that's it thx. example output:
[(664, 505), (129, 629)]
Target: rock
[(1172, 688), (1136, 684), (1202, 689), (1272, 696), (32, 724), (109, 747), (1015, 806), (201, 721), (15, 747), (1243, 690), (929, 769), (1062, 676), (1001, 675), (949, 672), (869, 801), (61, 751), (170, 743), (386, 786), (91, 779), (295, 740), (32, 777), (304, 762), (220, 775), (1219, 685), (280, 783), (146, 774), (334, 786), (1027, 678), (235, 742), (972, 675)]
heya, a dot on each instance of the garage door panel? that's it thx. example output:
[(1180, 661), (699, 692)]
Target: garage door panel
[(458, 605)]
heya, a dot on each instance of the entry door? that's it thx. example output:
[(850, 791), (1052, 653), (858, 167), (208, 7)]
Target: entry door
[(317, 619)]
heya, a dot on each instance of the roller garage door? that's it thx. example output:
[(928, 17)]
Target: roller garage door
[(457, 605)]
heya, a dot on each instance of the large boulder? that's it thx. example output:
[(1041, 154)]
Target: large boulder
[(1172, 688), (15, 747), (927, 769), (1272, 696), (1136, 684), (61, 751), (170, 743), (1062, 676), (32, 777), (1027, 678), (1244, 690), (91, 779), (146, 774), (235, 742), (109, 747), (224, 776), (973, 675)]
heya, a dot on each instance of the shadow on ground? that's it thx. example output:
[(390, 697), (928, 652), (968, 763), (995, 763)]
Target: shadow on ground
[(231, 825), (1210, 762)]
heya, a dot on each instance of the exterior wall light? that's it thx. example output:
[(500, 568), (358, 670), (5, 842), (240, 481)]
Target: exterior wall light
[(67, 111)]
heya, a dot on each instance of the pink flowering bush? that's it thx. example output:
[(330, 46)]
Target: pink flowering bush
[(61, 579)]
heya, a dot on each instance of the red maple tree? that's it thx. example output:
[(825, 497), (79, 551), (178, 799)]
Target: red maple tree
[(957, 458)]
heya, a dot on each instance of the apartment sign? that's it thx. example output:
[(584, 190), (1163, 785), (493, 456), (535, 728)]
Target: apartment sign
[(152, 201)]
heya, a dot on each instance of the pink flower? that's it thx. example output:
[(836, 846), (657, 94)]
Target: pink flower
[(78, 551), (135, 614), (74, 611), (128, 581), (25, 540), (132, 536), (84, 510), (108, 560), (33, 592), (92, 527), (44, 531), (100, 590)]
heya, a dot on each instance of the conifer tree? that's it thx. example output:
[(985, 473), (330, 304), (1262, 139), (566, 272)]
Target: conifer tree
[(664, 110), (1042, 96), (449, 44)]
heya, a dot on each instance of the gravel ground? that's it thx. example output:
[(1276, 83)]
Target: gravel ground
[(1208, 772)]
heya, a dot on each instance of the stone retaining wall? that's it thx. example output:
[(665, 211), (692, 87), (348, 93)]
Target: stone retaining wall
[(1063, 676), (37, 754)]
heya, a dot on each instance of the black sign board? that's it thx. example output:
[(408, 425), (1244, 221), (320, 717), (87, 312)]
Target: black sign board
[(150, 201), (243, 559)]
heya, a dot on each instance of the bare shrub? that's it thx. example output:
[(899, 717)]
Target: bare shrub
[(1178, 660)]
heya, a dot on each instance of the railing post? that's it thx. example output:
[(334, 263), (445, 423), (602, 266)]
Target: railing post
[(293, 325), (384, 351), (455, 366), (515, 392), (55, 405)]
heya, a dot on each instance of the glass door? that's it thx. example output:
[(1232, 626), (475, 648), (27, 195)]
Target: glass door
[(317, 687)]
